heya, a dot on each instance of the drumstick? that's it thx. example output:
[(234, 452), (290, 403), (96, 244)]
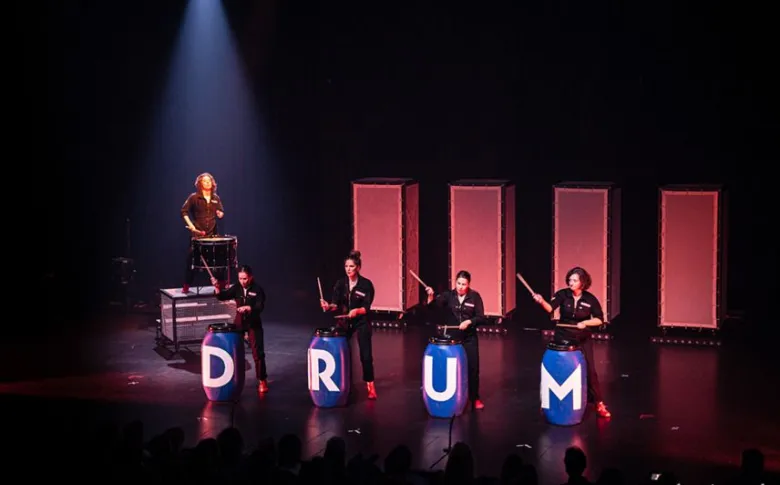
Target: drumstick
[(206, 265), (341, 316), (522, 280), (319, 285), (418, 278), (567, 325)]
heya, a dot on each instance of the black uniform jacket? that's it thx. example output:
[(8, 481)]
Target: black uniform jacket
[(253, 296)]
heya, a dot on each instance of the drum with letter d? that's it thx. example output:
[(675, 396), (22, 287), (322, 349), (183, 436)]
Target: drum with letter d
[(445, 377), (223, 362), (329, 368), (564, 384)]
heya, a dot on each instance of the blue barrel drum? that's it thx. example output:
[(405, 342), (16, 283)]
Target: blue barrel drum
[(223, 362), (329, 368), (445, 377), (564, 384)]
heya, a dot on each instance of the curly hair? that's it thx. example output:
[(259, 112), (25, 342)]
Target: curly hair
[(584, 277), (199, 181)]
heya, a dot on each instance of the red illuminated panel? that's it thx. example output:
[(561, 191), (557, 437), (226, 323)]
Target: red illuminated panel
[(586, 233), (386, 232), (482, 240), (690, 258)]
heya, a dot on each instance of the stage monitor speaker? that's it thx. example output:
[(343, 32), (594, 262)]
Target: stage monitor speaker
[(586, 233), (692, 255), (385, 229), (482, 240)]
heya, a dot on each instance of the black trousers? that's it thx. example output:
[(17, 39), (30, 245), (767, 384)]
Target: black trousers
[(583, 338), (471, 346), (366, 352), (594, 388), (257, 344)]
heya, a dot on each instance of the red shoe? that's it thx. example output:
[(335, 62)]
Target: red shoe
[(371, 390), (602, 410), (262, 387), (478, 404)]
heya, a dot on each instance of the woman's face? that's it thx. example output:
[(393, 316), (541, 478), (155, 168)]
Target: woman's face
[(461, 286), (350, 267), (574, 282)]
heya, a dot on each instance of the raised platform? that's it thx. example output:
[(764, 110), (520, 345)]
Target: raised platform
[(185, 317)]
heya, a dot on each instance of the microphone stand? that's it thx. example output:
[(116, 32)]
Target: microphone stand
[(448, 449)]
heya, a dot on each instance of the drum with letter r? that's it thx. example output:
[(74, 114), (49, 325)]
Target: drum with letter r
[(329, 368), (445, 377), (223, 362), (219, 252), (564, 383)]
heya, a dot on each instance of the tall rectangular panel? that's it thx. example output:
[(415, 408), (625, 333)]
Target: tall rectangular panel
[(586, 233), (385, 229), (691, 257), (482, 240)]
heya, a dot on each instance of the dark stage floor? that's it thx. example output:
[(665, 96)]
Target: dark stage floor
[(687, 409)]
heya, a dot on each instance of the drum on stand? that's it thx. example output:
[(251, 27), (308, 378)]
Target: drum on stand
[(219, 252)]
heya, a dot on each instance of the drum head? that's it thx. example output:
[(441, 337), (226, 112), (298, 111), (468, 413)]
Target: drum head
[(443, 340), (330, 332), (222, 328), (564, 345), (215, 239)]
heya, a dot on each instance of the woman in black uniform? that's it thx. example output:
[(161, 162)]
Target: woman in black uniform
[(579, 306), (354, 295), (466, 311)]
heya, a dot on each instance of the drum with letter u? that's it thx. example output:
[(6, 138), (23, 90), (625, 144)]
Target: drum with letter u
[(564, 384), (445, 377), (219, 252), (329, 368), (223, 362)]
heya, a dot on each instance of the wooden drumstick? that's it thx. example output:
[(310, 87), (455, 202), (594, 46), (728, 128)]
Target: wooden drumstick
[(567, 325), (522, 280), (418, 279), (206, 265), (319, 285), (341, 316)]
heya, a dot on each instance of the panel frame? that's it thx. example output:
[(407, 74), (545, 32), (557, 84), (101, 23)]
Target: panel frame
[(507, 297), (407, 222), (612, 240), (719, 256)]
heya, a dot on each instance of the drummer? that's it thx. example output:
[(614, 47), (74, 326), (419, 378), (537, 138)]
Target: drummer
[(200, 213), (581, 308), (465, 310)]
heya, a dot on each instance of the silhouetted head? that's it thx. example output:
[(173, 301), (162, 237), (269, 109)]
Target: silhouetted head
[(575, 461)]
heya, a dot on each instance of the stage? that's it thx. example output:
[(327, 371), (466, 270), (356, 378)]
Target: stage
[(687, 409)]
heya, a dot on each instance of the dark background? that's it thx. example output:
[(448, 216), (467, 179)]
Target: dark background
[(637, 93)]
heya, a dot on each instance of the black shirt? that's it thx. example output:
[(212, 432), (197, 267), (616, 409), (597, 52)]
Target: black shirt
[(456, 312), (587, 307), (203, 214), (252, 296), (361, 296)]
